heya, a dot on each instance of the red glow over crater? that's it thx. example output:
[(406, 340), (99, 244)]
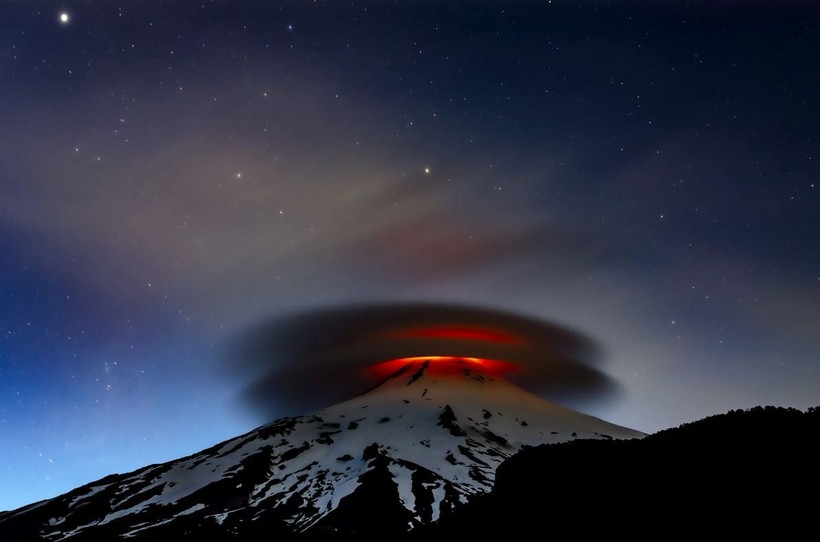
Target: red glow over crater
[(444, 365), (458, 333)]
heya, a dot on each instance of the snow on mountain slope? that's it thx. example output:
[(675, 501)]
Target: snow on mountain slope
[(435, 430)]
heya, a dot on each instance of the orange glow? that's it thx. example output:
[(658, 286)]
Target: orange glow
[(458, 333), (444, 364)]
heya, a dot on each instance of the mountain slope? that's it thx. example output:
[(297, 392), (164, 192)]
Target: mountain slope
[(416, 447)]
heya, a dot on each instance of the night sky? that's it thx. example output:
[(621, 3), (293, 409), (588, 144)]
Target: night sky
[(173, 174)]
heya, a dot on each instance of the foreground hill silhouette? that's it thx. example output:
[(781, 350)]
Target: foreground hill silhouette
[(749, 472)]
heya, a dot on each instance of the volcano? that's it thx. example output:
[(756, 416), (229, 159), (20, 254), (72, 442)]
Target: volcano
[(411, 450)]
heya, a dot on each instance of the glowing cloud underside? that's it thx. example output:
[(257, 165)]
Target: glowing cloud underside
[(459, 333), (443, 365)]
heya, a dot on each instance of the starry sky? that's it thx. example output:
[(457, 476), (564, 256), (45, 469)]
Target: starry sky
[(172, 174)]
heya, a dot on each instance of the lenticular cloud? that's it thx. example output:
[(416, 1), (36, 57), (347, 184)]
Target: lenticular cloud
[(314, 358)]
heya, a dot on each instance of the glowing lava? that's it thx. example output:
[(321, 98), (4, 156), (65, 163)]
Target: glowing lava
[(444, 365)]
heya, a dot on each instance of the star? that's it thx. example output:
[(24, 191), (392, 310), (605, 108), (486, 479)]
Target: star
[(64, 18)]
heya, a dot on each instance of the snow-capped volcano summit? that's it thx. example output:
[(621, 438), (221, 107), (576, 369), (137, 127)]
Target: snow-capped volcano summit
[(411, 449)]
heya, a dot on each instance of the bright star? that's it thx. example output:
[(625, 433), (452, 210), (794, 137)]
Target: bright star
[(64, 18)]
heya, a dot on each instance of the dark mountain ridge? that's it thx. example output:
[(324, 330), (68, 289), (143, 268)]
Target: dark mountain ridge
[(747, 472)]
